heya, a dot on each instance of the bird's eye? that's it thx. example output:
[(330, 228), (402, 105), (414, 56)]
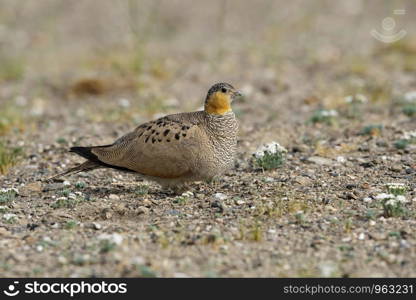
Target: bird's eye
[(224, 90)]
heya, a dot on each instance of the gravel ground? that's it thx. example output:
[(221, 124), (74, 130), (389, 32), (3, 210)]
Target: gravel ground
[(338, 100)]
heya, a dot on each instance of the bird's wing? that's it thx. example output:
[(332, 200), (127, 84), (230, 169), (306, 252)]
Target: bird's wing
[(160, 148)]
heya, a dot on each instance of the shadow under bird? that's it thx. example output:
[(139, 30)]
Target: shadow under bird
[(176, 149)]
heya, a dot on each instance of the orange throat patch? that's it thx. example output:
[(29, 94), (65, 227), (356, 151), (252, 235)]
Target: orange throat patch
[(218, 104)]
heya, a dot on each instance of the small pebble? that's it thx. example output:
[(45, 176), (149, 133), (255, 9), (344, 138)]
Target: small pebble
[(97, 226), (113, 238), (147, 203), (220, 196), (143, 210), (367, 200), (188, 194), (113, 197), (268, 179)]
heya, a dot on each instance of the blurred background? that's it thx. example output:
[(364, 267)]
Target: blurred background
[(66, 62)]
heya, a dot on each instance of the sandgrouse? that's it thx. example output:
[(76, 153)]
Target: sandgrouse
[(176, 149)]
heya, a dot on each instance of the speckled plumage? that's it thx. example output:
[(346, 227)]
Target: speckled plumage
[(174, 149)]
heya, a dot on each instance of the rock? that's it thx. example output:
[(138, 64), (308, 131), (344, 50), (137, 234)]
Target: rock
[(367, 200), (112, 238), (113, 197), (187, 194), (320, 161), (51, 187), (220, 196), (4, 232), (341, 159), (29, 239), (97, 226), (327, 269), (303, 180), (138, 260), (268, 179), (378, 236), (396, 168), (173, 212), (218, 206), (106, 213), (62, 260), (351, 186), (55, 225), (120, 208), (34, 187), (142, 210), (147, 203), (365, 186)]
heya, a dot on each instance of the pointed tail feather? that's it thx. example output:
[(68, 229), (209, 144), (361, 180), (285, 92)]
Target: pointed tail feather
[(88, 154), (84, 167)]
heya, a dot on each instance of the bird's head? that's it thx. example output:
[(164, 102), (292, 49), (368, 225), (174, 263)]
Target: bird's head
[(219, 98)]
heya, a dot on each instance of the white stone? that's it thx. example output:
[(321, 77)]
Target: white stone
[(188, 194), (271, 148), (97, 226), (341, 159), (138, 260), (383, 196), (367, 200), (113, 197), (410, 96), (9, 217), (123, 102), (113, 238), (220, 196)]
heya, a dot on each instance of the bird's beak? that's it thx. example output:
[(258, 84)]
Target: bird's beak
[(237, 94)]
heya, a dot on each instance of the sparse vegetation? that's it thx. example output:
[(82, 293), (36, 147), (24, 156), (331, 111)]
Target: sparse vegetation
[(269, 157), (270, 161), (409, 110), (142, 190), (7, 195), (393, 208), (71, 224), (327, 117), (373, 130), (12, 68), (69, 199), (10, 119), (9, 156)]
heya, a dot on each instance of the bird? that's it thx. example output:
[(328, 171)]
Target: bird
[(176, 149)]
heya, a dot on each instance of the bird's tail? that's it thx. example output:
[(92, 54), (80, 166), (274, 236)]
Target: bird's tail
[(84, 167)]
